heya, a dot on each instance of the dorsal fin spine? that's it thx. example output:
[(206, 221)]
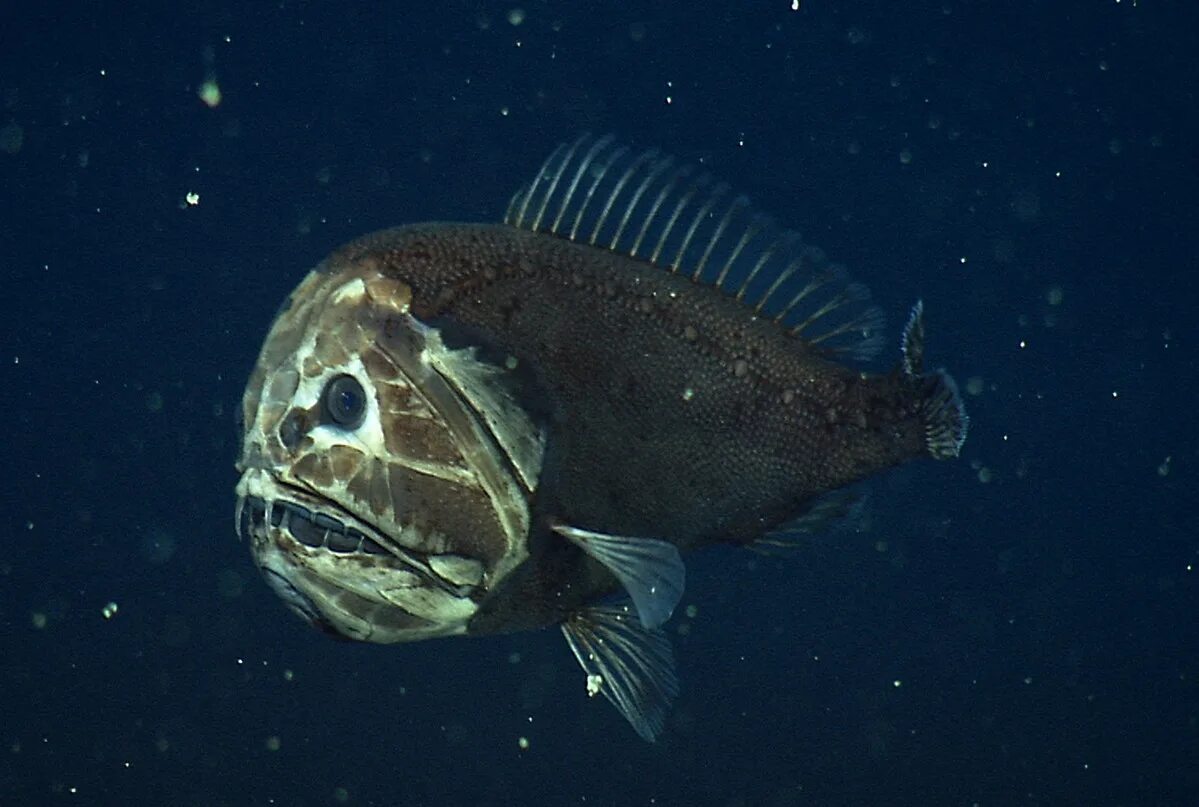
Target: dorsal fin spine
[(810, 287), (584, 165), (529, 191), (624, 180), (738, 201), (720, 190), (667, 189), (654, 172), (830, 305), (751, 232), (595, 183), (549, 194), (512, 204), (778, 281), (684, 200), (574, 183), (857, 323), (865, 323), (767, 254), (648, 206)]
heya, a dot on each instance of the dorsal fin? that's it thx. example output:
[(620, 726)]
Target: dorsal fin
[(648, 206)]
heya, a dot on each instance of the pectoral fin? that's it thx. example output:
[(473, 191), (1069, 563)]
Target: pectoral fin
[(631, 665), (650, 570)]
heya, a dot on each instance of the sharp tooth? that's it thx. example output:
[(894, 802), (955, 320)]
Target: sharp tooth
[(325, 540), (270, 509), (241, 505)]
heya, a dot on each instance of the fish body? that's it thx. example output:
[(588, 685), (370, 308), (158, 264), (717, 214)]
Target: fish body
[(465, 429)]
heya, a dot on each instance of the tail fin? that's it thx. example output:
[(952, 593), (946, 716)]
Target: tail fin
[(944, 414)]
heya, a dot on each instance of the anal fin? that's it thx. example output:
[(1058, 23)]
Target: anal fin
[(835, 509), (631, 665), (650, 570)]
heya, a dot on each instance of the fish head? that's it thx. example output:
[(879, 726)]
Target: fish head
[(375, 498)]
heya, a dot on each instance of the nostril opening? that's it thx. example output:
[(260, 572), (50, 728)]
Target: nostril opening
[(291, 430)]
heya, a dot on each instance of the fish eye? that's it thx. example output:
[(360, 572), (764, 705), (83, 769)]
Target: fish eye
[(345, 401)]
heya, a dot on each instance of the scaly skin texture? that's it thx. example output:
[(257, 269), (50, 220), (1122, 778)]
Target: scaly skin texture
[(673, 412)]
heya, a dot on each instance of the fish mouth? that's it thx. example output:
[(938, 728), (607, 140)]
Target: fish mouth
[(312, 528), (267, 523), (342, 575)]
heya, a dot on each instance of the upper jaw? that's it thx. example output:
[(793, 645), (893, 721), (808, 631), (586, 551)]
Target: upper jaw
[(276, 517), (308, 519)]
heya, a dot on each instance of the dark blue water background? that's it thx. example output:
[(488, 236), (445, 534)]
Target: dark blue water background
[(1016, 627)]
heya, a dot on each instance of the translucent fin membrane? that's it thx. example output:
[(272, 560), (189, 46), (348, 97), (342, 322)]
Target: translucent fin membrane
[(631, 665), (678, 217), (835, 509), (650, 570), (912, 345), (945, 420)]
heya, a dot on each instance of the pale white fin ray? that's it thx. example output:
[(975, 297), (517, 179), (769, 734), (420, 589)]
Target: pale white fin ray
[(549, 194), (641, 159), (783, 276), (518, 212), (700, 215), (839, 509), (679, 207), (861, 324), (813, 285), (912, 344), (651, 207), (584, 167), (615, 156), (738, 202), (784, 240), (944, 413), (682, 172), (630, 665), (747, 235), (650, 570), (825, 308), (654, 173)]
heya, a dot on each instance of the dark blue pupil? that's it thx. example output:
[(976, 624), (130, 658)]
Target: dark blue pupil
[(345, 401)]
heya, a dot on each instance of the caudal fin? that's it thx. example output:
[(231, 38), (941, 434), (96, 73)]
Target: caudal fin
[(944, 414)]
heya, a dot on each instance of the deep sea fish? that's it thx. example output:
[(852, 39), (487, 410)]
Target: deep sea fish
[(469, 429)]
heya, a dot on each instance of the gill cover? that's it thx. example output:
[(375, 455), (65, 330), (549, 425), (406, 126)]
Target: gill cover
[(385, 475)]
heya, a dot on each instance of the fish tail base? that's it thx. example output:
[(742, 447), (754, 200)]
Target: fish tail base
[(943, 412), (945, 418)]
